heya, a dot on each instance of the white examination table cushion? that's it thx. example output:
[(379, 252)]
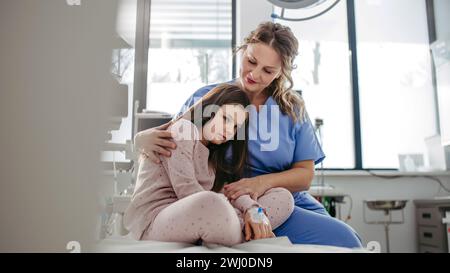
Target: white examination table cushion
[(271, 245)]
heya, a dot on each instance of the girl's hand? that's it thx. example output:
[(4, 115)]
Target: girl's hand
[(251, 186), (257, 229), (154, 142)]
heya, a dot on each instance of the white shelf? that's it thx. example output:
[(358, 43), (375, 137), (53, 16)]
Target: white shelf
[(153, 115)]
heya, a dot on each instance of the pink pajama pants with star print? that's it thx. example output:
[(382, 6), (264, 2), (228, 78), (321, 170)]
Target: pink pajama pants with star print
[(210, 217)]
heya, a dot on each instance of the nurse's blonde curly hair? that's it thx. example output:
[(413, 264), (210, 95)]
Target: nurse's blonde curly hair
[(283, 41)]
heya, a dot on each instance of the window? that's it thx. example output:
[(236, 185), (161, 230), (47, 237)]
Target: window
[(397, 110), (441, 47), (323, 76), (442, 18), (395, 80), (190, 46)]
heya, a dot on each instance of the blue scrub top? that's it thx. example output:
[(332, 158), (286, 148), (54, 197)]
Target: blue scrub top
[(297, 140)]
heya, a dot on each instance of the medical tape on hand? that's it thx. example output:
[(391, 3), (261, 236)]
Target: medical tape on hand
[(257, 216)]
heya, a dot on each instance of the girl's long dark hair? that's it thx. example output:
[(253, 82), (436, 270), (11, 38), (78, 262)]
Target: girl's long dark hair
[(227, 171)]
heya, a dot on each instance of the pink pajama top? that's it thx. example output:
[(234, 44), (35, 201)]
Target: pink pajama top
[(184, 173)]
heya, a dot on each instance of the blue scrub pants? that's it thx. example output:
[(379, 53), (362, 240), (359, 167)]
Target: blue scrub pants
[(310, 223)]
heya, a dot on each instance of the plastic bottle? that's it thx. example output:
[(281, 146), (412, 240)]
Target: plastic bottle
[(409, 164)]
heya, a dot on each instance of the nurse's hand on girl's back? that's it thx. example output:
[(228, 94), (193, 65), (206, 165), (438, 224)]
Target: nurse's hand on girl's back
[(155, 142)]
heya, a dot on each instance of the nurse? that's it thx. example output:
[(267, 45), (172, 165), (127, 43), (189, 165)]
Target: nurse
[(283, 148)]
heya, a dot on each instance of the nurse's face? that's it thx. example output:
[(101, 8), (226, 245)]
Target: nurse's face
[(222, 127), (260, 65)]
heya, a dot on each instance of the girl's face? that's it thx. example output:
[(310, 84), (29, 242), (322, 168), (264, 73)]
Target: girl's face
[(222, 127), (260, 65)]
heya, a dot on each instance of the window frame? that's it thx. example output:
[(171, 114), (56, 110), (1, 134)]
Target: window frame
[(352, 39)]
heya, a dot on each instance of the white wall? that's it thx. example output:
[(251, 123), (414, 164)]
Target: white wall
[(403, 237), (249, 14)]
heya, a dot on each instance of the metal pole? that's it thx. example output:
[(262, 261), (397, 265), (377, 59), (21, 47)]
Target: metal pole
[(386, 227), (142, 45)]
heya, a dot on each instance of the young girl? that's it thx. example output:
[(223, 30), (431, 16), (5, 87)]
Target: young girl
[(181, 199)]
